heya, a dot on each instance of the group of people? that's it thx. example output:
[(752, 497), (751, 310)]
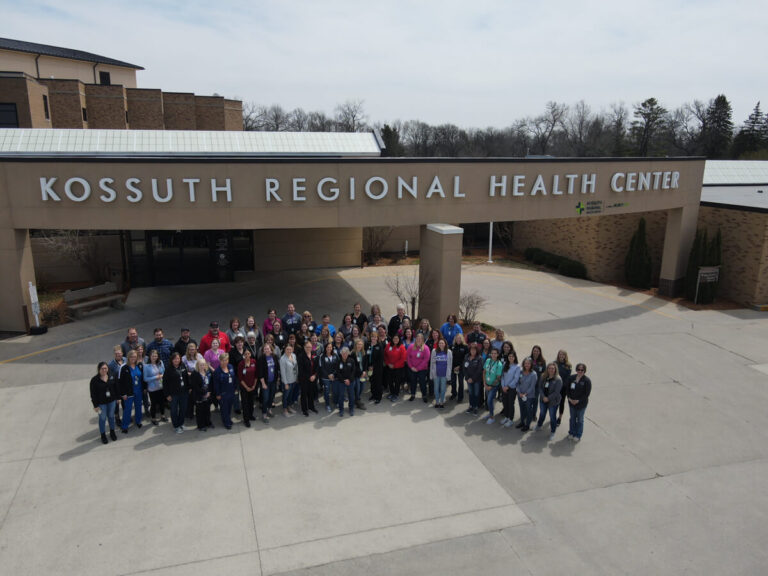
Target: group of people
[(300, 360)]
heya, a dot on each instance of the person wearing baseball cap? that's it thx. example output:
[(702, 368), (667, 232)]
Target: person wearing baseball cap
[(213, 332)]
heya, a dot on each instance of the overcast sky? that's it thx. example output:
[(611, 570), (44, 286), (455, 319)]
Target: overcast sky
[(479, 63)]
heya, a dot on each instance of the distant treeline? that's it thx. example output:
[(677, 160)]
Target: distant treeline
[(694, 129)]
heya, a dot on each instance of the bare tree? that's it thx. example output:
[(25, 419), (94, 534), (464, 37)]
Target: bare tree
[(319, 122), (374, 238), (350, 116), (543, 127), (409, 289), (449, 139), (78, 246), (253, 117), (298, 121), (419, 139), (470, 304), (276, 119)]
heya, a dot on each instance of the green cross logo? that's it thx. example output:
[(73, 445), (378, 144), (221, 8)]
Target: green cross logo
[(580, 207)]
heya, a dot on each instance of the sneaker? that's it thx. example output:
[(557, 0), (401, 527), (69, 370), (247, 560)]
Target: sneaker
[(508, 424), (412, 398), (551, 436), (474, 411), (179, 430), (328, 409), (247, 423), (202, 429), (164, 418), (490, 421), (155, 422), (351, 414), (112, 435), (537, 428), (265, 419), (504, 421), (341, 414), (468, 411), (576, 439)]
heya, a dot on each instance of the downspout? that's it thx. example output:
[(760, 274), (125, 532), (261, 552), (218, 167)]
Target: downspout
[(94, 72), (37, 65)]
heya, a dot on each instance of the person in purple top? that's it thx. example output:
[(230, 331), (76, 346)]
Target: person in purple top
[(440, 365)]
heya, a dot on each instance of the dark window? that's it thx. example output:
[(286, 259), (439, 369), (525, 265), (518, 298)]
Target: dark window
[(45, 107), (85, 115), (104, 78), (8, 116)]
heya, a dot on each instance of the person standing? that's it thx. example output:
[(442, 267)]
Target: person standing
[(292, 320), (579, 389), (491, 379), (476, 336), (376, 367), (200, 382), (360, 356), (473, 373), (551, 387), (214, 334), (183, 342), (539, 366), (289, 376), (176, 389), (564, 369), (327, 371), (246, 374), (269, 376), (526, 390), (153, 376), (510, 376), (417, 359), (440, 364), (131, 387), (103, 397), (235, 330), (163, 346), (307, 365), (459, 352), (450, 329), (115, 365), (359, 318), (396, 321), (395, 356), (345, 381), (132, 341), (213, 354), (225, 387)]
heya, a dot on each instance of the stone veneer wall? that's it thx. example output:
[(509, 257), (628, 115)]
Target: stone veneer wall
[(600, 242), (744, 273)]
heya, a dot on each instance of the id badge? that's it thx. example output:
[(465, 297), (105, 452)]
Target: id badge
[(466, 364), (109, 394), (418, 354), (573, 385), (244, 371)]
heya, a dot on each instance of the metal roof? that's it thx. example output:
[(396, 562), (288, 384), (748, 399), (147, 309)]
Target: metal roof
[(59, 52), (62, 142), (746, 197), (735, 172)]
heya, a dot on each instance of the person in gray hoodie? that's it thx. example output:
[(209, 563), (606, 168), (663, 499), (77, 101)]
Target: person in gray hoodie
[(551, 387)]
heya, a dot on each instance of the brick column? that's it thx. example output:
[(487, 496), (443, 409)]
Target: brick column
[(678, 239), (440, 271)]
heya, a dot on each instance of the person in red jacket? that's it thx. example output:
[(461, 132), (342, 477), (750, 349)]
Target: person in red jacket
[(205, 341), (394, 366)]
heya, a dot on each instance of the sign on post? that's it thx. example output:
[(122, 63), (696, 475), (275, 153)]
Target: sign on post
[(707, 275), (35, 303)]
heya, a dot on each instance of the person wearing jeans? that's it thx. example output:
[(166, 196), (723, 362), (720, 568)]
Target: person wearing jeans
[(103, 397), (345, 380), (225, 386), (473, 373), (131, 386), (526, 390), (440, 365), (327, 370), (417, 360), (509, 379), (269, 374), (579, 389), (551, 388), (176, 388), (491, 379)]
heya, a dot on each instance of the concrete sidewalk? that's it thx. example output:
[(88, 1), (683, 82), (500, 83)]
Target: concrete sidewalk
[(668, 479)]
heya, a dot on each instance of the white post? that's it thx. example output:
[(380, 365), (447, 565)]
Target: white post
[(490, 243), (406, 248), (35, 303)]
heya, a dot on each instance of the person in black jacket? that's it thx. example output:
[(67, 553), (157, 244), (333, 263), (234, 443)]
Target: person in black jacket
[(326, 364), (473, 374), (307, 378), (104, 396), (375, 367), (579, 389), (176, 388), (345, 378), (459, 351), (201, 385), (131, 388)]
